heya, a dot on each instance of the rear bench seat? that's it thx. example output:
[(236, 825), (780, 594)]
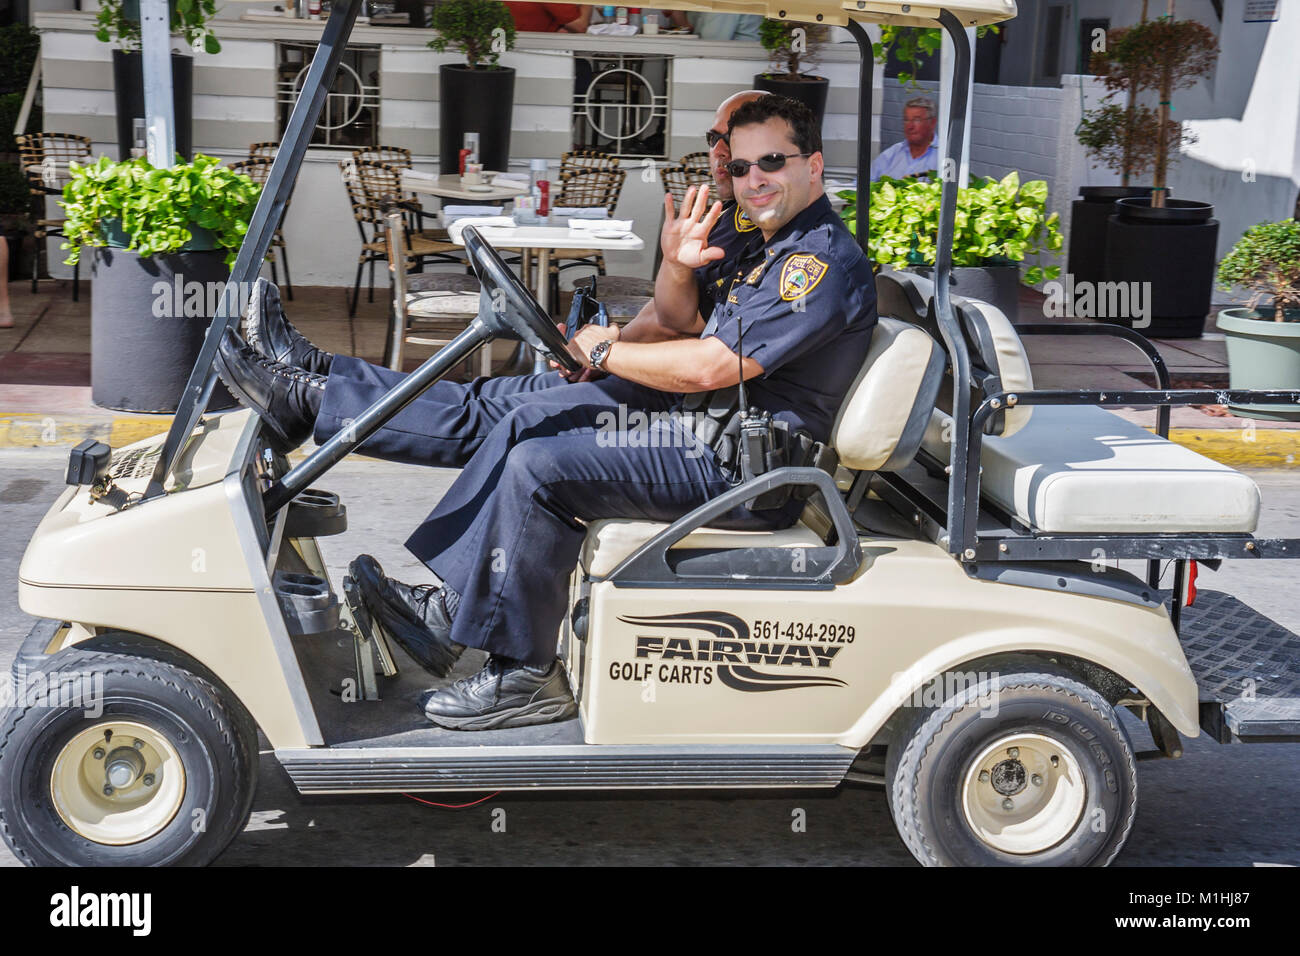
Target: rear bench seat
[(1078, 468), (1063, 469)]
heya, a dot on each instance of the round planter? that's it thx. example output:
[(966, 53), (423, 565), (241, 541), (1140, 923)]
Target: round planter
[(1262, 354), (128, 94), (148, 317), (1166, 258), (1088, 215), (997, 285), (809, 90), (475, 101)]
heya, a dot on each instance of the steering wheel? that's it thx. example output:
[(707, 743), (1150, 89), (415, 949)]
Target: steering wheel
[(522, 316)]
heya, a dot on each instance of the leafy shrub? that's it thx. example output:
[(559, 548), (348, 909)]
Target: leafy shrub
[(910, 44), (15, 194), (120, 20), (156, 207), (19, 47), (471, 27), (1266, 261), (998, 222)]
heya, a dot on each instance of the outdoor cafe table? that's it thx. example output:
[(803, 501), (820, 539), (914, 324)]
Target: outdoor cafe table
[(448, 187), (547, 239)]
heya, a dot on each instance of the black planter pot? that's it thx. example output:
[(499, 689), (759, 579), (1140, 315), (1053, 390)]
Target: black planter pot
[(1172, 248), (1088, 215), (811, 90), (128, 94), (475, 101), (997, 285), (143, 343)]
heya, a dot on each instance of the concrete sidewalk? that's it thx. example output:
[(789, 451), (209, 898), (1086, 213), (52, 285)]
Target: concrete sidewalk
[(45, 395)]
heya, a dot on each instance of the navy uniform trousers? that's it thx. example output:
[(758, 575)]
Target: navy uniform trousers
[(541, 456)]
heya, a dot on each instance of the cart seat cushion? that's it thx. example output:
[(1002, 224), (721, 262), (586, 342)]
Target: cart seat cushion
[(991, 337), (1082, 469), (887, 408), (611, 540)]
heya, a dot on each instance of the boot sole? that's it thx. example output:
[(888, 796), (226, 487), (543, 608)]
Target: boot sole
[(537, 712), (277, 439)]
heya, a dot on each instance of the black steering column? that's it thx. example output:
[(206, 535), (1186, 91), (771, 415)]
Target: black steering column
[(506, 310)]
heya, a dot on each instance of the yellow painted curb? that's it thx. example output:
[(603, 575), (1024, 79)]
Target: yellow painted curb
[(1243, 447), (34, 430)]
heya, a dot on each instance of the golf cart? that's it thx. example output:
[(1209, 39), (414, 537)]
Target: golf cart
[(938, 620)]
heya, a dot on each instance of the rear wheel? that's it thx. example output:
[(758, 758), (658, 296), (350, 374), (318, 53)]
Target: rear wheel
[(109, 759), (1024, 769)]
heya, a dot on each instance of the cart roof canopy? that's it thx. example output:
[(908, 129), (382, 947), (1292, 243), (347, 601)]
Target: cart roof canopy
[(970, 12)]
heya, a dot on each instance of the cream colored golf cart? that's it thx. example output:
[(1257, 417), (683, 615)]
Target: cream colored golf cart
[(938, 621)]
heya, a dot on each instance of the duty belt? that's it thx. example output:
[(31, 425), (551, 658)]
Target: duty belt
[(714, 419)]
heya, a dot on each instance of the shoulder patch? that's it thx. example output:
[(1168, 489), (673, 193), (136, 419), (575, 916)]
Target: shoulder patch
[(742, 221), (800, 275)]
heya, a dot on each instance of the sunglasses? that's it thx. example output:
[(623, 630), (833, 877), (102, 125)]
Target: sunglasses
[(713, 138), (739, 168)]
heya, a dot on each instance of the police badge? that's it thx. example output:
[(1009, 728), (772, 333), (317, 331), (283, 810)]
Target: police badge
[(800, 275)]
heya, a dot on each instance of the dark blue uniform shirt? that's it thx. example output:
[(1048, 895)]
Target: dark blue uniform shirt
[(806, 301), (736, 235)]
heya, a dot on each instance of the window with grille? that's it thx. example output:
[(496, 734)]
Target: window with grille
[(350, 118), (620, 104)]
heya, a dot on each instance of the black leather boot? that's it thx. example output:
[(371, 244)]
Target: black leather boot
[(412, 615), (267, 330), (285, 397)]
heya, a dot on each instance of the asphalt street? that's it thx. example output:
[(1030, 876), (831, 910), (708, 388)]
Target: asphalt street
[(1218, 805)]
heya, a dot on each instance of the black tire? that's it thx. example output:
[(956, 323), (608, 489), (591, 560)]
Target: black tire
[(193, 717), (939, 803)]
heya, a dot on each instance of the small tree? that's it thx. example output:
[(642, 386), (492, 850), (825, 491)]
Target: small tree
[(480, 29), (787, 42), (1266, 261), (910, 44), (1162, 55)]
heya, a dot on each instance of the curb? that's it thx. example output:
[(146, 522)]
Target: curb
[(1235, 447)]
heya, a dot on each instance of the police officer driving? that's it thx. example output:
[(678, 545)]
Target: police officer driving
[(792, 316)]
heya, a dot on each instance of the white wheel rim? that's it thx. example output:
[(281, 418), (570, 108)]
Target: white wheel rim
[(1024, 794), (117, 783)]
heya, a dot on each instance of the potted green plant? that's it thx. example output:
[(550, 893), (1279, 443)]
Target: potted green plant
[(791, 45), (1264, 345), (118, 21), (162, 242), (999, 224), (1158, 56), (479, 96)]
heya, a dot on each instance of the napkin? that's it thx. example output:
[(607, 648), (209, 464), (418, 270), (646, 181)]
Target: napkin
[(600, 225), (457, 227), (518, 180), (579, 212), (417, 174), (613, 29), (452, 213)]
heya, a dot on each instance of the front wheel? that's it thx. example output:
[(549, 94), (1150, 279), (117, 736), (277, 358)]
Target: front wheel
[(113, 760), (1023, 769)]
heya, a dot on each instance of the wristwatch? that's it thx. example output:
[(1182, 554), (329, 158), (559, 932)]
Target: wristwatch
[(600, 353)]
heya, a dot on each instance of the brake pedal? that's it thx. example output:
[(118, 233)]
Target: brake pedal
[(368, 635)]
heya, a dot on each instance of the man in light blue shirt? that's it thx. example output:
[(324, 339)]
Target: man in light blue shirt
[(918, 152), (726, 26)]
